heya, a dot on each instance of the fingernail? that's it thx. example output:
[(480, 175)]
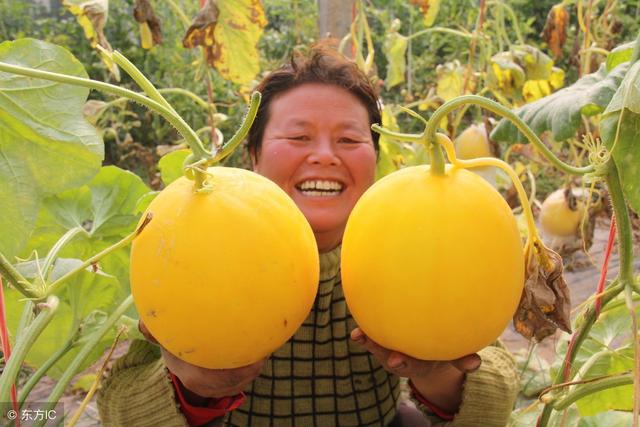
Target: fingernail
[(473, 365)]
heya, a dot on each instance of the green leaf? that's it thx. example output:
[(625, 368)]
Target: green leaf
[(628, 93), (84, 383), (170, 165), (609, 419), (46, 146), (87, 299), (561, 111), (619, 55), (395, 49), (626, 152), (108, 208), (609, 351)]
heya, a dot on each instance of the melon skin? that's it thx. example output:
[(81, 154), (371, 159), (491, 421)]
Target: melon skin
[(432, 266), (224, 278)]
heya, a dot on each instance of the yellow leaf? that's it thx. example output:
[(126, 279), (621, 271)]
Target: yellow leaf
[(429, 9), (535, 89), (395, 48), (146, 39), (450, 80), (557, 78), (229, 30)]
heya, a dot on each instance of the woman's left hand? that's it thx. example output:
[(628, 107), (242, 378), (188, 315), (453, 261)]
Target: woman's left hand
[(440, 382)]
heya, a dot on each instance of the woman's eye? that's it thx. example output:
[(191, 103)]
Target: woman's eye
[(349, 140), (299, 137)]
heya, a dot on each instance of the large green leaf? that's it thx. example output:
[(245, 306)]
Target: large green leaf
[(625, 106), (107, 208), (561, 111), (626, 153), (46, 146)]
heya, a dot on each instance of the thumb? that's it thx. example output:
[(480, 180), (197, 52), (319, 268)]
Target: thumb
[(144, 331), (467, 363)]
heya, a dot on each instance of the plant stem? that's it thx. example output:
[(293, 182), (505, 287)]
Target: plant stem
[(625, 253), (42, 370), (55, 286), (442, 30), (533, 236), (179, 91), (589, 317), (241, 133), (178, 11), (84, 352), (57, 247), (22, 347), (500, 110), (144, 83), (16, 279), (25, 319), (590, 388), (623, 224), (181, 126)]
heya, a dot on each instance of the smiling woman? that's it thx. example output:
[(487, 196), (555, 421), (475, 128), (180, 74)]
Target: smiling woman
[(312, 137), (317, 146)]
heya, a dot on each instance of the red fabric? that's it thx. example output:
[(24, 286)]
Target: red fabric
[(433, 408), (199, 415)]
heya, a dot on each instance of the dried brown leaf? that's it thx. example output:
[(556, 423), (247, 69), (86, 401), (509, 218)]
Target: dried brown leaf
[(555, 29), (545, 303), (200, 33), (150, 30)]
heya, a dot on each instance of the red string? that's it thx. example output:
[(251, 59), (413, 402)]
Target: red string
[(605, 264), (6, 348), (566, 368)]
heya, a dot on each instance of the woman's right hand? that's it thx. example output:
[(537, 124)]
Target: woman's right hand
[(200, 384)]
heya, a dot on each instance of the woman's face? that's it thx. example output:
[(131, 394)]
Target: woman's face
[(317, 147)]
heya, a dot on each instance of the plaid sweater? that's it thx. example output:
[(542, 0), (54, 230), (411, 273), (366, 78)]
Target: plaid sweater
[(318, 378)]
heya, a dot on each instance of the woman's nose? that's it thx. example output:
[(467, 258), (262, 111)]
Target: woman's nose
[(324, 153)]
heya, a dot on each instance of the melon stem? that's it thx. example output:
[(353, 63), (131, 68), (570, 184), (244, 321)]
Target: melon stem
[(533, 238)]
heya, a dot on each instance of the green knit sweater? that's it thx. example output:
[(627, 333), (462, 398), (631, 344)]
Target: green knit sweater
[(318, 378)]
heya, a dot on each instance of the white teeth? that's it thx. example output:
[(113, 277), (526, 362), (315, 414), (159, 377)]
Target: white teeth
[(330, 186)]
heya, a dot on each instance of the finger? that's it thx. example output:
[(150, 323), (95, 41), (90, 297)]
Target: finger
[(380, 353), (145, 332), (467, 363)]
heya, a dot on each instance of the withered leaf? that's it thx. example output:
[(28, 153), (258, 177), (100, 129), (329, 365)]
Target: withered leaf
[(200, 33), (229, 32), (150, 31), (92, 16), (429, 9), (555, 29), (545, 303)]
